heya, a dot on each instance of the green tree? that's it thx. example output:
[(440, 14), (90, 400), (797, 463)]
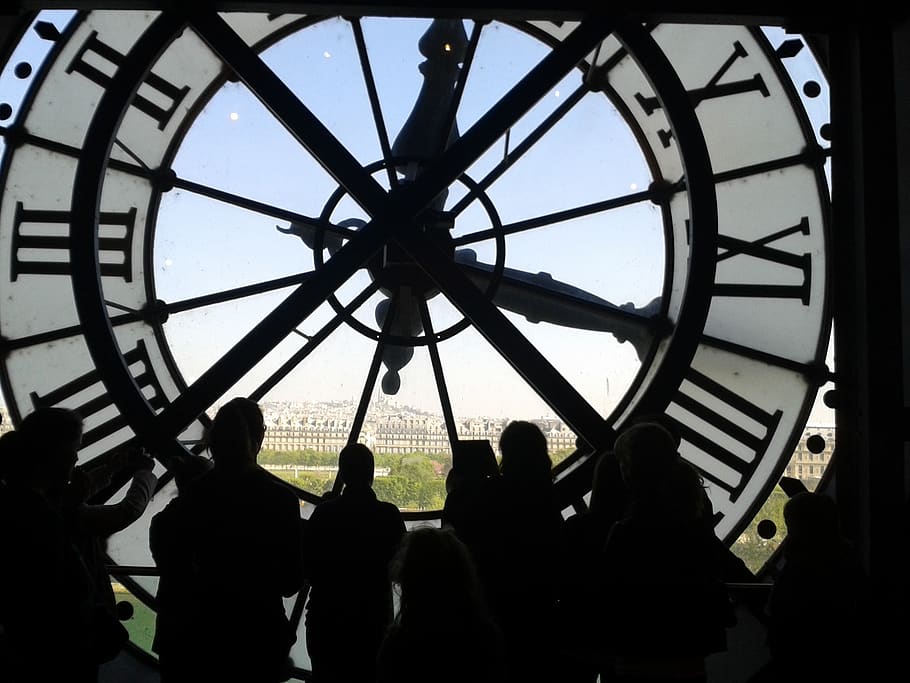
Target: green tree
[(754, 550), (560, 455), (416, 467)]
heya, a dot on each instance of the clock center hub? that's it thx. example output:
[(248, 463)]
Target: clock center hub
[(393, 268)]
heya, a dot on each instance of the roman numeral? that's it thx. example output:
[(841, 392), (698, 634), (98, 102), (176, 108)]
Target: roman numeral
[(723, 410), (713, 89), (759, 249), (48, 254), (63, 394), (98, 50)]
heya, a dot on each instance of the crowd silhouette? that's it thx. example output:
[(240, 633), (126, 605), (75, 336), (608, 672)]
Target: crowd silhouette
[(632, 589)]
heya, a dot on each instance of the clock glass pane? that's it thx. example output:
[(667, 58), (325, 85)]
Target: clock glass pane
[(549, 278), (252, 206)]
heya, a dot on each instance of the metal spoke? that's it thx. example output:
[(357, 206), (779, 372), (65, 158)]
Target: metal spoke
[(444, 401), (449, 120), (312, 343), (435, 177), (373, 373), (520, 353), (158, 310), (259, 207), (268, 333), (231, 294), (289, 110), (370, 83), (520, 150), (550, 219)]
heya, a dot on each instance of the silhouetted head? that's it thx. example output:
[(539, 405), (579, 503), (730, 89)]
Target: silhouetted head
[(682, 492), (644, 451), (235, 435), (44, 450), (355, 466), (453, 479), (524, 452), (811, 516), (436, 575), (12, 457), (661, 419), (608, 491)]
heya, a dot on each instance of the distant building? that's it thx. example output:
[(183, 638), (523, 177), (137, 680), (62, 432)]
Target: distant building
[(808, 466), (390, 428)]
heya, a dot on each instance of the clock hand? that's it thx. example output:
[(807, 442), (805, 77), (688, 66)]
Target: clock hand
[(431, 126), (515, 348), (540, 298), (428, 130)]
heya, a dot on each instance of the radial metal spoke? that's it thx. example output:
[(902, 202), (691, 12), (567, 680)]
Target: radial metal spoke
[(312, 343), (289, 110), (271, 331), (159, 310), (230, 294), (259, 207), (373, 373), (449, 120), (376, 108), (551, 219), (444, 401), (521, 149), (514, 347), (436, 177)]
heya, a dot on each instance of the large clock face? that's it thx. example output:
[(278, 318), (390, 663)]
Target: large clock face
[(499, 219)]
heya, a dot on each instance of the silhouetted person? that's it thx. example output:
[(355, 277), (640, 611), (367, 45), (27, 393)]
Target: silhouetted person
[(583, 658), (472, 463), (241, 528), (46, 592), (92, 524), (663, 600), (734, 568), (177, 615), (818, 609), (441, 611), (517, 544), (350, 540)]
